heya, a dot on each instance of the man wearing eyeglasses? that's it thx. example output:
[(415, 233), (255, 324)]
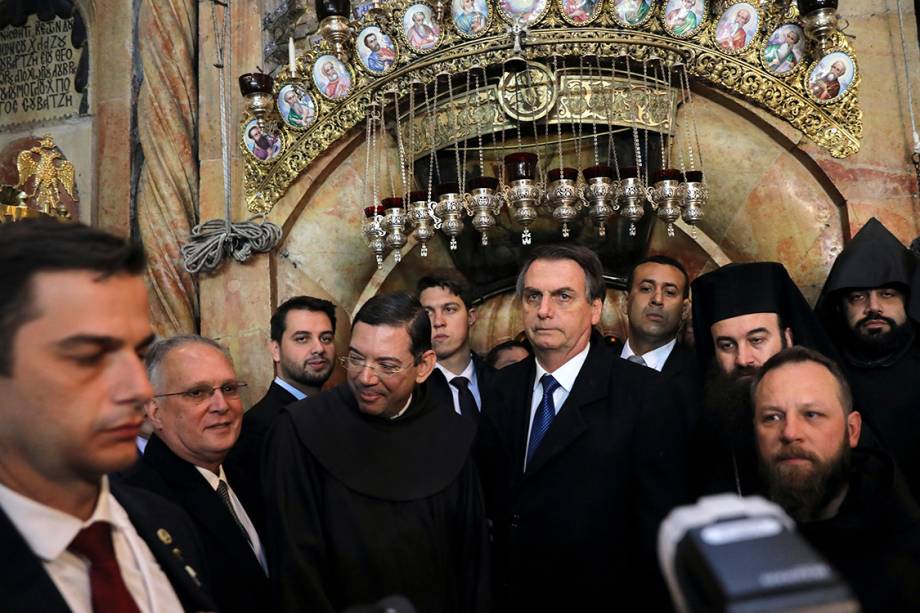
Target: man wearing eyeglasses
[(196, 414), (370, 489)]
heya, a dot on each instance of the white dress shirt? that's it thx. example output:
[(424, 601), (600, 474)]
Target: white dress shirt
[(296, 393), (470, 373), (565, 375), (255, 543), (653, 359), (49, 532)]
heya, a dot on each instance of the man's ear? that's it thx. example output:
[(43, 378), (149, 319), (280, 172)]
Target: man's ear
[(152, 409), (425, 366), (685, 309), (854, 428), (275, 347), (788, 334), (471, 316), (597, 307)]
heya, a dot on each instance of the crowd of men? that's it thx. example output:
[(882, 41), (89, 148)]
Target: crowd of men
[(532, 480)]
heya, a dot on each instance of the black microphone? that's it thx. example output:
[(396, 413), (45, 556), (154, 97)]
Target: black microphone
[(390, 604)]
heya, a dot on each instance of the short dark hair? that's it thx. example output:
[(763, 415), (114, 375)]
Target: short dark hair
[(399, 309), (448, 279), (665, 260), (492, 357), (584, 257), (33, 246), (299, 303), (798, 354)]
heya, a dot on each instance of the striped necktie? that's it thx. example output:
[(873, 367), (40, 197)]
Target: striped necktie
[(544, 416)]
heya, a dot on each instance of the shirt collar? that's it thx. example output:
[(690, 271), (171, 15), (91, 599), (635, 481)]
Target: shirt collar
[(654, 358), (49, 531), (469, 372), (400, 414), (566, 374), (296, 393), (213, 480)]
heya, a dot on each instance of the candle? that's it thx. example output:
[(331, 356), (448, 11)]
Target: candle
[(291, 56)]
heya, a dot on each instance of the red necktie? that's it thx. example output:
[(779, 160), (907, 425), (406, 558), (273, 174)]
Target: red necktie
[(109, 592)]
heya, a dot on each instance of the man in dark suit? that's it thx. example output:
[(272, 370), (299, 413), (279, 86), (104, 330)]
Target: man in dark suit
[(658, 303), (74, 330), (446, 298), (581, 454), (196, 413), (303, 351)]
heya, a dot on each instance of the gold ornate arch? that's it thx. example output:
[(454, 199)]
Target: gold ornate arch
[(834, 125)]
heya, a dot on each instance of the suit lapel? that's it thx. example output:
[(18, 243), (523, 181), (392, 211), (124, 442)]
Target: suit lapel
[(183, 578), (24, 583), (590, 385), (195, 496)]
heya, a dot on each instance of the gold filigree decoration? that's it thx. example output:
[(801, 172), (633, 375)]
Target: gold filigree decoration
[(835, 127)]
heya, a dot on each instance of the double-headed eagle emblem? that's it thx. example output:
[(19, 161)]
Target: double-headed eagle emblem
[(49, 168)]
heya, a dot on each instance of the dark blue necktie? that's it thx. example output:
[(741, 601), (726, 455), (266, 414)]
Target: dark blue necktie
[(544, 415)]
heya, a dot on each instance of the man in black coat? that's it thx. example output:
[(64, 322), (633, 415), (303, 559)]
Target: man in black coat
[(446, 298), (743, 314), (864, 307), (581, 454), (196, 413), (74, 329), (849, 502), (370, 487), (303, 351), (658, 303)]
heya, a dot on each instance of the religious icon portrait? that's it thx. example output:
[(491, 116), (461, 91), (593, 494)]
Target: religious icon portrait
[(262, 144), (331, 77), (579, 12), (522, 12), (784, 50), (420, 30), (632, 13), (471, 17), (831, 77), (376, 50), (296, 107), (684, 18), (737, 27)]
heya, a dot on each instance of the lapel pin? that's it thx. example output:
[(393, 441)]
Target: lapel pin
[(164, 536)]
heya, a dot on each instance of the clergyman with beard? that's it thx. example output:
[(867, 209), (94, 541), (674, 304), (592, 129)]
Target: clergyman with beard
[(864, 308), (302, 345), (743, 314), (849, 502)]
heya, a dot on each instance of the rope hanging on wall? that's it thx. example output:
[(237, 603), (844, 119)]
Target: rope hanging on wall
[(915, 154), (210, 242)]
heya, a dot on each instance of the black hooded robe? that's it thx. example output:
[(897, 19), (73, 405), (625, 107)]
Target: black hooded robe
[(886, 391), (361, 507)]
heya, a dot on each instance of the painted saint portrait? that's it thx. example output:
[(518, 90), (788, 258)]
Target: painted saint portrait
[(470, 16), (785, 49), (523, 12), (683, 18), (331, 77), (737, 27), (632, 12), (296, 107), (261, 144), (376, 50), (419, 28), (832, 76), (580, 11)]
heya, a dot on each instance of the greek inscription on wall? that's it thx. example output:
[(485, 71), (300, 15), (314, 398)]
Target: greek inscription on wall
[(38, 65)]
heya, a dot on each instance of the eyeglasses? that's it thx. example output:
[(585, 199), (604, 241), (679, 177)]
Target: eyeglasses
[(197, 394), (354, 364)]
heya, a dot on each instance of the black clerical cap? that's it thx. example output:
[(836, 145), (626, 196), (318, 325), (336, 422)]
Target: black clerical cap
[(757, 287), (872, 258)]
